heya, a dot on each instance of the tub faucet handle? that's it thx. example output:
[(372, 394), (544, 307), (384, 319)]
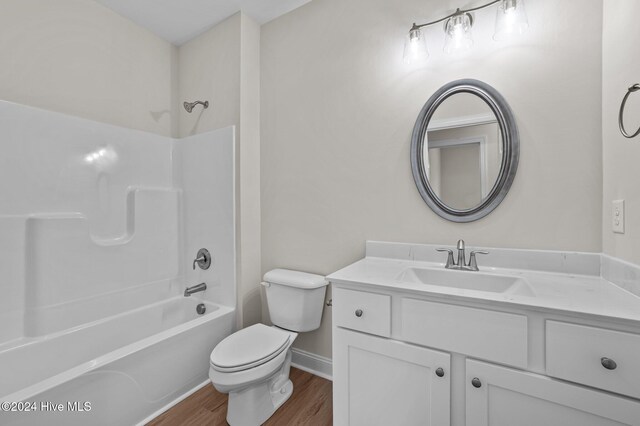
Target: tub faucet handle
[(198, 260), (203, 259)]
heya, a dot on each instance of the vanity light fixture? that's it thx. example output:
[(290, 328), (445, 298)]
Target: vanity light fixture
[(511, 19)]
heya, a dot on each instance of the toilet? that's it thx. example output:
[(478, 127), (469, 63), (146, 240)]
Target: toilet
[(252, 365)]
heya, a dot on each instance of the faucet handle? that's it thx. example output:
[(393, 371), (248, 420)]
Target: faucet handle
[(197, 260), (473, 264), (203, 259), (450, 261)]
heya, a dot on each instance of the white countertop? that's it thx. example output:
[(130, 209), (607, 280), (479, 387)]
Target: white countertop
[(557, 291)]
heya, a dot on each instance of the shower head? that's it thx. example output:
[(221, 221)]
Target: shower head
[(190, 105)]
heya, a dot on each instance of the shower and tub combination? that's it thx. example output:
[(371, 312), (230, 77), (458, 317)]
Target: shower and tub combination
[(100, 229)]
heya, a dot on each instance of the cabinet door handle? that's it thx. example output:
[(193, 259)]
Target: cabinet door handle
[(439, 372), (359, 312), (476, 382), (608, 363)]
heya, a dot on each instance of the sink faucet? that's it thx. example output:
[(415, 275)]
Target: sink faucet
[(194, 289), (461, 256), (461, 265)]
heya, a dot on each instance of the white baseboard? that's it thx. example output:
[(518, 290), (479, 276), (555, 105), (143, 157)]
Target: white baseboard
[(174, 402), (312, 363)]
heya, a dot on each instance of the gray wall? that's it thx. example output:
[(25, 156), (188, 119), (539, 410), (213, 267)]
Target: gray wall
[(222, 66), (80, 58), (621, 69)]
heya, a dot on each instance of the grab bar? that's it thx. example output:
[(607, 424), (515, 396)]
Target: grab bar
[(630, 90)]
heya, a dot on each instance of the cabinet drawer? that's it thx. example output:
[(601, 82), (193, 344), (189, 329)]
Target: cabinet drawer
[(490, 335), (575, 353), (363, 311)]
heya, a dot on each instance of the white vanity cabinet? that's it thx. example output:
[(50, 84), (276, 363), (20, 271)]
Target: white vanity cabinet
[(402, 358)]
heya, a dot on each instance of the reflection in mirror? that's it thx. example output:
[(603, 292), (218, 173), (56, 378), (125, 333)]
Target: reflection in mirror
[(464, 151)]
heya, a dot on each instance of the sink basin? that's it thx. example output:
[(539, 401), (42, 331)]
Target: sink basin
[(467, 280)]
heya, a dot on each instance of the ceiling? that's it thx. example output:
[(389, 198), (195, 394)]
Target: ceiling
[(178, 21)]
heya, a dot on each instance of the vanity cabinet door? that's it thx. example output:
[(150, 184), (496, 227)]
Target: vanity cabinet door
[(499, 396), (377, 381)]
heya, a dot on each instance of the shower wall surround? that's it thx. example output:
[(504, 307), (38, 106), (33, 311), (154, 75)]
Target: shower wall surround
[(91, 210), (78, 217)]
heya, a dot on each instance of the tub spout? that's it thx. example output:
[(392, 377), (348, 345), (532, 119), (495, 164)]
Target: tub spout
[(194, 289)]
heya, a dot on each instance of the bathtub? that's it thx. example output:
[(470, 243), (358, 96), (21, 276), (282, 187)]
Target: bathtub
[(119, 370)]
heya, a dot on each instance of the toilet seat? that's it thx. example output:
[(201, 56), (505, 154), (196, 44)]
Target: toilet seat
[(249, 348)]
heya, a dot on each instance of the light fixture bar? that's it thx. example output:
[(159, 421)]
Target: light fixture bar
[(457, 12)]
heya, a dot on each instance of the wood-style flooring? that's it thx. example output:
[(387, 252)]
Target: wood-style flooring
[(310, 404)]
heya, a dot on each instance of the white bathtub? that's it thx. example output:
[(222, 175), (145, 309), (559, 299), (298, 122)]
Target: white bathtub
[(126, 367)]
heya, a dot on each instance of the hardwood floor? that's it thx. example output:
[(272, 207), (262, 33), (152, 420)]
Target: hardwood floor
[(310, 404)]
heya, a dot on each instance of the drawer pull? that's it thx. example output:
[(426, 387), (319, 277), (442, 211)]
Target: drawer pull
[(359, 313), (608, 363), (476, 382), (439, 372)]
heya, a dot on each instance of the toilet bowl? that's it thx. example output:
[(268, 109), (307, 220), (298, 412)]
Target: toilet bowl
[(252, 365), (258, 382)]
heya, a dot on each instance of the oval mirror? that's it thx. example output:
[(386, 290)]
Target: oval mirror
[(464, 150)]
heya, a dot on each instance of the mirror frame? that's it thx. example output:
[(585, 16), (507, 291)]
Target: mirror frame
[(510, 145)]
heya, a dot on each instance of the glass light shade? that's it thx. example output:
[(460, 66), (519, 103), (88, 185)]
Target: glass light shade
[(457, 33), (415, 47), (511, 19)]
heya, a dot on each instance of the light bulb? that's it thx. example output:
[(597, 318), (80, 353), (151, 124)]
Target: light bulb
[(415, 47), (458, 33), (511, 19)]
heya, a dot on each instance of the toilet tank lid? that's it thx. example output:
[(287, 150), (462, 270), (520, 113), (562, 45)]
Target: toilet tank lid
[(294, 278)]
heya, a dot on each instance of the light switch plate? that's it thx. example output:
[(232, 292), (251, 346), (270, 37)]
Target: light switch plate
[(617, 216)]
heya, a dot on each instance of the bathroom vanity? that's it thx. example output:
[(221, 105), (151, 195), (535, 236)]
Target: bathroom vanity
[(533, 338)]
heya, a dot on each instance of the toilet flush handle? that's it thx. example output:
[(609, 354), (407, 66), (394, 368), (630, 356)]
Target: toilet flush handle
[(265, 284)]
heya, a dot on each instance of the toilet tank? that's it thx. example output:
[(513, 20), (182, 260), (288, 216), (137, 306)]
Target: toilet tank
[(295, 299)]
